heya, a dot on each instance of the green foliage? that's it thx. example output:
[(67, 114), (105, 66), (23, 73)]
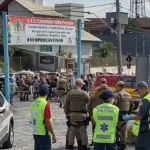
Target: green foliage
[(63, 53), (104, 50), (2, 66), (132, 25), (11, 48), (69, 55)]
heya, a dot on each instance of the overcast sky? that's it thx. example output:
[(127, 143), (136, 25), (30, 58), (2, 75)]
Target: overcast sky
[(100, 11)]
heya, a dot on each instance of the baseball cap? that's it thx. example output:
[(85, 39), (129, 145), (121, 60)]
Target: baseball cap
[(79, 81), (141, 84), (107, 94), (43, 89)]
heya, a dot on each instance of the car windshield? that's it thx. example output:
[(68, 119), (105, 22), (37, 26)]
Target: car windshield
[(129, 81)]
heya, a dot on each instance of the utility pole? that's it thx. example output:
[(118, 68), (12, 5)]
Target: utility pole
[(143, 44), (119, 47)]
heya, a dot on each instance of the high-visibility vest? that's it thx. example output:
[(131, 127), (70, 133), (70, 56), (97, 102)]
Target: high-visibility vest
[(37, 117), (106, 118), (137, 123)]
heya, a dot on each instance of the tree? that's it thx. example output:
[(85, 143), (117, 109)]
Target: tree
[(11, 48), (132, 25), (105, 49)]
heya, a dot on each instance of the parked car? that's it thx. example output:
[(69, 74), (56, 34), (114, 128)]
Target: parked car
[(6, 123)]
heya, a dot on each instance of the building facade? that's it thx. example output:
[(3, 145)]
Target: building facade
[(34, 8)]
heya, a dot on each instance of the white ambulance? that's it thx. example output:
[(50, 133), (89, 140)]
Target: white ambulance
[(6, 123)]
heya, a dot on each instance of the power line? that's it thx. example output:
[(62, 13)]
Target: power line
[(103, 22), (102, 10)]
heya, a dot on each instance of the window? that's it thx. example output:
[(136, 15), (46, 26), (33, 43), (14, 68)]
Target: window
[(1, 100), (129, 81), (45, 48)]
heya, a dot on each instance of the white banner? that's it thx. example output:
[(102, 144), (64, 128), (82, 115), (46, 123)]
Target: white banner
[(40, 31)]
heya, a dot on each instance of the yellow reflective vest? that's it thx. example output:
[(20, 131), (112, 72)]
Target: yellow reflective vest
[(105, 117), (37, 117), (137, 123)]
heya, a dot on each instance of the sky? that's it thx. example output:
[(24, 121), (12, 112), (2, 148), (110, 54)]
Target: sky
[(101, 10)]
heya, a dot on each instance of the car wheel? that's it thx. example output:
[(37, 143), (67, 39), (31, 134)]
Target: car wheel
[(10, 141)]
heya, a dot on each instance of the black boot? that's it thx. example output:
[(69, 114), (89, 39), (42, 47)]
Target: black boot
[(123, 146), (84, 147), (70, 147), (91, 143), (67, 146), (60, 105), (79, 142)]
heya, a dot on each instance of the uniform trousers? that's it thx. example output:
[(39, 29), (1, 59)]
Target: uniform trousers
[(101, 146), (78, 137), (123, 133), (42, 142), (76, 127), (143, 141)]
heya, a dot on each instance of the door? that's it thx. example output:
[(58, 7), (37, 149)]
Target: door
[(4, 117)]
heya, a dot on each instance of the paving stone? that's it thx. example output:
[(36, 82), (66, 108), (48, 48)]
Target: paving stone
[(22, 128)]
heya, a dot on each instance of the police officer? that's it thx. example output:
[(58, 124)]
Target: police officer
[(95, 101), (124, 102), (78, 137), (141, 127), (105, 117), (41, 120), (62, 88), (75, 107)]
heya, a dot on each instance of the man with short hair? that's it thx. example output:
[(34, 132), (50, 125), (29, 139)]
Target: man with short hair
[(141, 127), (76, 109), (103, 81), (63, 87), (41, 120), (124, 102)]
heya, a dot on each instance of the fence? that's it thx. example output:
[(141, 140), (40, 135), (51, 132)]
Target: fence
[(104, 62), (17, 63)]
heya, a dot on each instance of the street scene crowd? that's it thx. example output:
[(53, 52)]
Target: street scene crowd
[(107, 111)]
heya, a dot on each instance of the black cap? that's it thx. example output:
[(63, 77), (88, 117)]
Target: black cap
[(141, 84), (106, 94), (43, 89)]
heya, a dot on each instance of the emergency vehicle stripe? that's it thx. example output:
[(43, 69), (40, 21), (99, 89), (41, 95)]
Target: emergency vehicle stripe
[(99, 136), (105, 117)]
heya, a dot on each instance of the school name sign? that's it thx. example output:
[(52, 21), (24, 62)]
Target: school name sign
[(40, 31)]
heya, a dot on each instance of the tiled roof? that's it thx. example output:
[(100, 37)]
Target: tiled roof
[(94, 23), (33, 7), (39, 9), (144, 22)]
